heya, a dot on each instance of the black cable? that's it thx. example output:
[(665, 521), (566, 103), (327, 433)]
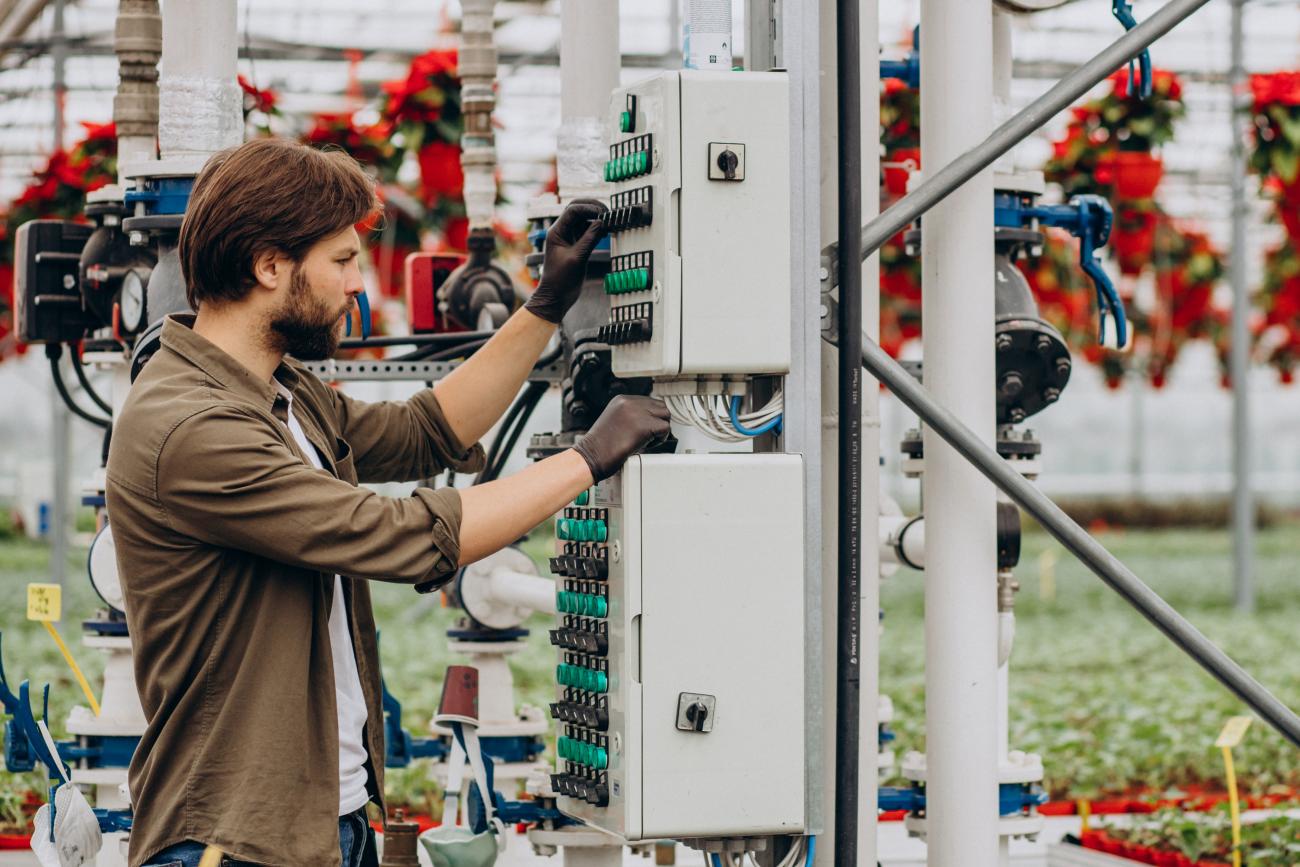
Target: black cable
[(516, 407), (465, 350), (440, 339), (849, 507), (85, 382), (536, 389), (53, 351)]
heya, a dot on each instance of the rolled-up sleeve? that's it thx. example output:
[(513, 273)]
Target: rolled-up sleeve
[(225, 478), (402, 441)]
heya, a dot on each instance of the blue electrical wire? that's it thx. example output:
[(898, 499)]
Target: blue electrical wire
[(812, 849), (734, 412), (717, 861)]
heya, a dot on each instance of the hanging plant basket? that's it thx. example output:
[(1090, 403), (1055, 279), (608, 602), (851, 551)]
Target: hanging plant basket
[(1137, 174)]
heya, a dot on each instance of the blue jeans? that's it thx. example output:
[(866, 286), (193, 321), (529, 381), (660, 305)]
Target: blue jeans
[(356, 843)]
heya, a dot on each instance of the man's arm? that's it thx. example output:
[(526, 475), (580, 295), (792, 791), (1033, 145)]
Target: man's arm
[(475, 395)]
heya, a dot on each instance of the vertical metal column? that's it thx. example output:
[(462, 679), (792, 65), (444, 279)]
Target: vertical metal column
[(960, 555), (1243, 506), (61, 416)]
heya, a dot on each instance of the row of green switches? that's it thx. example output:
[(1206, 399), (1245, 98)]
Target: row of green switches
[(631, 280), (627, 166), (583, 753), (581, 530), (588, 604), (581, 678)]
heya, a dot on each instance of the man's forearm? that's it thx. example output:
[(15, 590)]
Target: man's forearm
[(476, 394), (496, 514)]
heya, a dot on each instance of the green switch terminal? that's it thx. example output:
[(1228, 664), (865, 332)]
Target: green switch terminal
[(626, 122), (583, 498)]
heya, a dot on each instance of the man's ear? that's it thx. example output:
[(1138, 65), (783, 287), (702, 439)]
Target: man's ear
[(269, 268)]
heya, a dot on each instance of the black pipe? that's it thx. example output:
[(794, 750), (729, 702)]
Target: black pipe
[(85, 382), (1076, 540), (52, 352), (849, 510)]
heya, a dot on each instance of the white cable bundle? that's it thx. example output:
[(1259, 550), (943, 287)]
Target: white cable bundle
[(710, 413)]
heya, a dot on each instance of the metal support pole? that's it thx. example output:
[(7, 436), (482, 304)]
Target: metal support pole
[(61, 417), (1243, 506), (1076, 540), (1033, 116), (961, 629)]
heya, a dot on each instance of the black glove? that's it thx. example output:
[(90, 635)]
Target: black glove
[(628, 425), (569, 243)]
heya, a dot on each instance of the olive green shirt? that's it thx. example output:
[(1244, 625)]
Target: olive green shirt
[(228, 541)]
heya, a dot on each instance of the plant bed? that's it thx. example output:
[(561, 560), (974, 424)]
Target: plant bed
[(1172, 837)]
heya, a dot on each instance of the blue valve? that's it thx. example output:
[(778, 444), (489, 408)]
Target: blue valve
[(1087, 217), (908, 69), (363, 307), (1124, 13)]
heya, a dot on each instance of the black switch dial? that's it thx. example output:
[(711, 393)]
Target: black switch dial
[(728, 161)]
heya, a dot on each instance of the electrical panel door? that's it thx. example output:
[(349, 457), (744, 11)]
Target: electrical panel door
[(679, 706), (699, 280)]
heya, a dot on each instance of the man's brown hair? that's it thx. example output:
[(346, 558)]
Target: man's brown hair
[(265, 195)]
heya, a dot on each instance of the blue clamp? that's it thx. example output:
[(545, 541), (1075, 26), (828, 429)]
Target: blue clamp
[(1124, 13), (363, 307), (400, 747), (907, 70), (23, 727), (1013, 798), (161, 195), (1087, 217)]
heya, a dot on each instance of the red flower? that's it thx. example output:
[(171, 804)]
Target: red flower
[(1275, 88), (256, 99), (441, 175)]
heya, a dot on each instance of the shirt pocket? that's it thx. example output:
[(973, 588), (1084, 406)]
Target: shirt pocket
[(344, 467)]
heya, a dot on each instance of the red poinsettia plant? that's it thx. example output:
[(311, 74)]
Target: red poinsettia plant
[(260, 105), (369, 144)]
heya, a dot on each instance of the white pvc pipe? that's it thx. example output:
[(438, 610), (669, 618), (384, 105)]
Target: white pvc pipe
[(1002, 66), (520, 590), (957, 314), (589, 68), (902, 540), (200, 107)]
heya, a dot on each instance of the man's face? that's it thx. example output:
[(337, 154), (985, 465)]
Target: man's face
[(308, 323)]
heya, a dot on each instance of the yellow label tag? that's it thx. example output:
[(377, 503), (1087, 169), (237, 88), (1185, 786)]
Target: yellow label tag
[(1233, 731), (44, 602)]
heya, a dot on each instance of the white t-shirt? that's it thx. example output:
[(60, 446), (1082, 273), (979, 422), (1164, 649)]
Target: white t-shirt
[(347, 682)]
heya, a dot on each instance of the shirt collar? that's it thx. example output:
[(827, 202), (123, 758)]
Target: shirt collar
[(178, 335)]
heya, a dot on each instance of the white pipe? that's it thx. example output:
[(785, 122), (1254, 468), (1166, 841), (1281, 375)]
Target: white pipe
[(478, 72), (521, 590), (1006, 636), (200, 107), (706, 35), (902, 540), (961, 623), (589, 67), (1002, 67)]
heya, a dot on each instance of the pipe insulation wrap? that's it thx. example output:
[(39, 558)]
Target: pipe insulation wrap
[(199, 115), (706, 35), (580, 157), (1077, 541)]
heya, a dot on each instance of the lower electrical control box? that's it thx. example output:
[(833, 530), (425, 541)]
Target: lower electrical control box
[(681, 648)]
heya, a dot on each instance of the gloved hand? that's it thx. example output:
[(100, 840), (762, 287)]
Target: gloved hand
[(76, 831), (628, 425), (569, 243)]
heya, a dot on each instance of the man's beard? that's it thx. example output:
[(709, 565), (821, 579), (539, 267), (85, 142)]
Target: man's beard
[(304, 326)]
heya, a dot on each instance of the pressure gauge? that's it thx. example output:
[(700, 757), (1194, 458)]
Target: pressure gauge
[(131, 302), (102, 567)]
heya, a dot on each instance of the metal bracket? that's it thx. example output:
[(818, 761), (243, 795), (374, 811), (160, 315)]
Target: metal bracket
[(696, 712), (333, 370), (828, 275)]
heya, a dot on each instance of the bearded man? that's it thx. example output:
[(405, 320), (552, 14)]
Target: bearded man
[(244, 543)]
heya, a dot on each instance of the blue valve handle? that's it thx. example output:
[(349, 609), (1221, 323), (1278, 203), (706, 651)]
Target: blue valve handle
[(1087, 217), (1124, 13), (20, 708), (363, 307)]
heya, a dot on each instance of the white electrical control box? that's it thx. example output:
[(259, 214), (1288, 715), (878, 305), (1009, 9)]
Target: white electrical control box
[(680, 699), (700, 225)]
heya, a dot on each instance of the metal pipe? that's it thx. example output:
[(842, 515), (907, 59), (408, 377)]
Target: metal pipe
[(848, 698), (137, 42), (957, 319), (1077, 541), (589, 67), (478, 72), (61, 418), (1040, 111), (1243, 507)]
